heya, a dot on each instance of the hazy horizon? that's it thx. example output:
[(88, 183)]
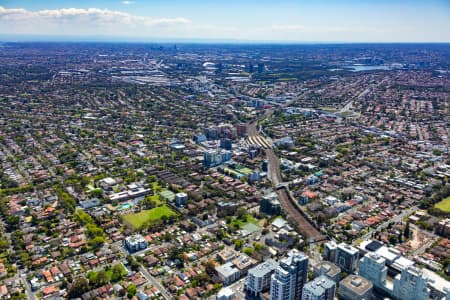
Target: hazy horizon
[(127, 40)]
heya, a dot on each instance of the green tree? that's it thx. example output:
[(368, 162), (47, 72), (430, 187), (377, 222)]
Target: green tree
[(96, 242), (13, 222), (131, 291), (78, 287), (118, 272), (134, 265), (97, 193), (257, 246), (238, 244), (248, 250), (102, 278)]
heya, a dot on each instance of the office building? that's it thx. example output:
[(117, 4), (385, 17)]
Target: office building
[(373, 267), (321, 288), (354, 287), (289, 278), (258, 278), (347, 257), (411, 285)]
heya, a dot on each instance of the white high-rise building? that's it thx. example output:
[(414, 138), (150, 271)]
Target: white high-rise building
[(289, 278), (411, 285), (373, 267), (258, 277)]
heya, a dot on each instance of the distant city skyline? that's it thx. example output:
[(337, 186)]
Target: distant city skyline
[(251, 20)]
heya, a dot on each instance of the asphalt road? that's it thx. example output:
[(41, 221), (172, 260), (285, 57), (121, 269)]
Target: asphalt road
[(395, 219), (150, 278), (27, 285), (156, 283), (433, 238)]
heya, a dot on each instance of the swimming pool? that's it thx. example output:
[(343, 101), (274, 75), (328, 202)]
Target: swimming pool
[(124, 206)]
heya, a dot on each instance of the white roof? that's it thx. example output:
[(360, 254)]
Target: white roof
[(437, 281), (402, 263), (390, 254), (109, 181), (227, 269), (279, 223), (225, 292)]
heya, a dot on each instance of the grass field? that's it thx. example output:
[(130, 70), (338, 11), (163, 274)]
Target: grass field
[(156, 199), (138, 219), (241, 223), (444, 205), (156, 187)]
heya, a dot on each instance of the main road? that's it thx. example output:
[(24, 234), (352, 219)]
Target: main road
[(384, 225), (28, 290), (149, 277)]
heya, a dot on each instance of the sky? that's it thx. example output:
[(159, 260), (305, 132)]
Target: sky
[(228, 20)]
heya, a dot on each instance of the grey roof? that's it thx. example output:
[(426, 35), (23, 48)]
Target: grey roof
[(319, 285), (356, 283), (328, 268), (264, 268)]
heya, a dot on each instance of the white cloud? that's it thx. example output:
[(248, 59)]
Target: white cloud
[(96, 22), (81, 21)]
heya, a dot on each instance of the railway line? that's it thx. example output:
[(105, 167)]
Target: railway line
[(290, 206)]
